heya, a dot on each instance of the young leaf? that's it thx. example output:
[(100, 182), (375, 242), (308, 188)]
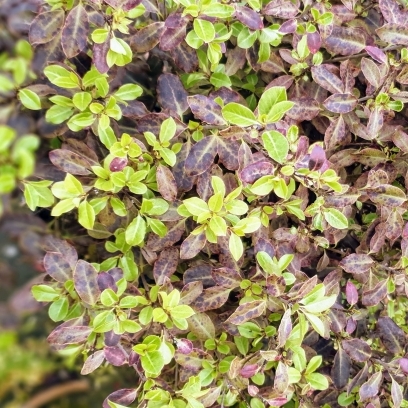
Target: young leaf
[(238, 114), (29, 99), (81, 100), (276, 145), (335, 218), (128, 92), (136, 231), (235, 246), (271, 97), (61, 77), (204, 29), (86, 215)]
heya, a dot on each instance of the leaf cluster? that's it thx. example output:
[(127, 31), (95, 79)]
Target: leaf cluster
[(237, 171)]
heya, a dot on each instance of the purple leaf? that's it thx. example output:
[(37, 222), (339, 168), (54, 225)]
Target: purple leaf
[(69, 335), (147, 37), (340, 103), (106, 281), (124, 396), (166, 265), (93, 362), (351, 293), (377, 54), (171, 93), (166, 183), (206, 110), (75, 32), (118, 164), (86, 283), (249, 17), (184, 346), (357, 263), (345, 40), (46, 26), (314, 42), (57, 267), (249, 370), (115, 355), (254, 171)]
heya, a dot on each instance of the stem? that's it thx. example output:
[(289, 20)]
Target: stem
[(363, 54), (61, 390)]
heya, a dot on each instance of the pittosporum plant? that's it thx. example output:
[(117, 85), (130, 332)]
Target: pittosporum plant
[(238, 170)]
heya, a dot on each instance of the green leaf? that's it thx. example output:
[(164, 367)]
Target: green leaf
[(317, 381), (238, 114), (284, 261), (7, 135), (168, 156), (278, 110), (109, 297), (99, 35), (73, 185), (217, 10), (46, 199), (63, 207), (167, 130), (61, 77), (102, 86), (129, 266), (157, 227), (118, 206), (61, 101), (235, 246), (29, 99), (58, 114), (44, 293), (58, 309), (265, 261), (276, 145), (81, 121), (117, 46), (216, 202), (219, 79), (246, 38), (270, 98), (107, 136), (321, 305), (128, 92), (247, 225), (31, 197), (128, 302), (136, 231), (263, 186), (204, 30), (86, 215), (314, 363), (182, 312), (196, 206), (154, 206), (335, 218), (82, 100), (152, 362), (130, 326), (218, 226), (316, 323)]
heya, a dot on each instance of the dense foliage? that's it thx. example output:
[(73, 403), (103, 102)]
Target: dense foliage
[(229, 185)]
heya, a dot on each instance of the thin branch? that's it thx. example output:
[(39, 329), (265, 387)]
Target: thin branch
[(55, 392), (363, 54)]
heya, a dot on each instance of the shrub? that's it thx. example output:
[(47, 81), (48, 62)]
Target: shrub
[(233, 176)]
